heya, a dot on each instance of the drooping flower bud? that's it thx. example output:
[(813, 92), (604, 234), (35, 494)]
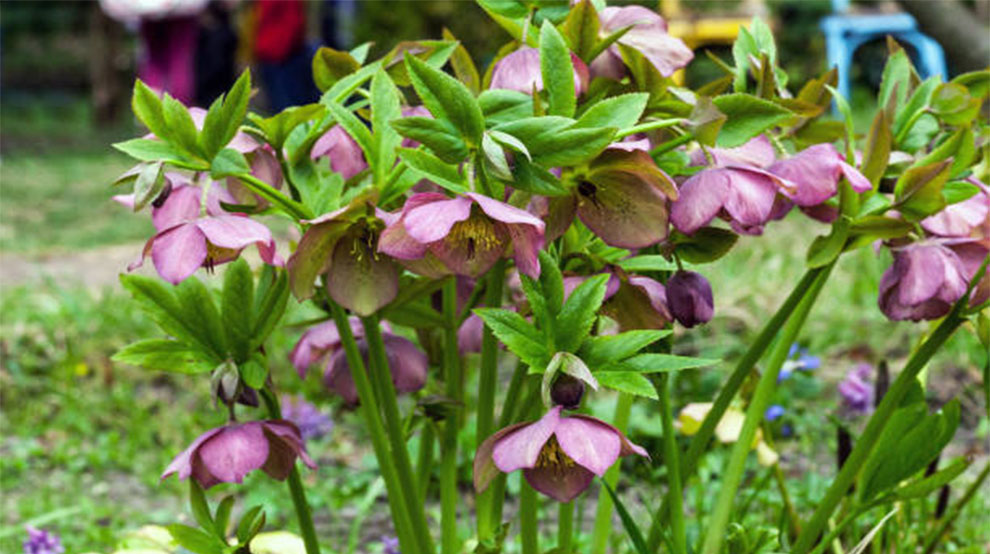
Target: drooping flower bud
[(224, 383), (689, 298), (567, 391)]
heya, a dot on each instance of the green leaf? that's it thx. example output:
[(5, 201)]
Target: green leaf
[(919, 101), (330, 66), (181, 128), (436, 134), (918, 192), (953, 104), (960, 146), (238, 294), (529, 177), (647, 262), (447, 98), (254, 372), (958, 191), (748, 116), (200, 508), (627, 381), (159, 302), (551, 282), (876, 153), (498, 164), (228, 163), (705, 121), (705, 245), (147, 107), (167, 355), (222, 517), (210, 134), (632, 530), (926, 485), (385, 107), (578, 313), (581, 29), (558, 71), (197, 305), (235, 105), (978, 82), (517, 334), (656, 363), (195, 540), (148, 184), (600, 350), (277, 128), (552, 141), (870, 228), (270, 298), (149, 150), (618, 111), (434, 169), (504, 106), (463, 65), (826, 248), (355, 128), (895, 84), (251, 522)]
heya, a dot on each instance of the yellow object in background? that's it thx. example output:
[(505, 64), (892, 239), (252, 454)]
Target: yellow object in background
[(700, 30)]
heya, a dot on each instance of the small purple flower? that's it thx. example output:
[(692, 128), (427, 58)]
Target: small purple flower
[(465, 234), (798, 359), (346, 157), (856, 390), (189, 237), (520, 71), (312, 423), (390, 545), (559, 455), (40, 541), (927, 278), (226, 454), (689, 297), (407, 363), (774, 412), (814, 174), (647, 35)]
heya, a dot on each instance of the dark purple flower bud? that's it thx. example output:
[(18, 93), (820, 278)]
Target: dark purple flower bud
[(226, 454), (857, 391), (689, 298), (567, 391), (40, 541)]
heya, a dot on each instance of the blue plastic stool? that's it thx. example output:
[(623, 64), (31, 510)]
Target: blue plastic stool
[(844, 33)]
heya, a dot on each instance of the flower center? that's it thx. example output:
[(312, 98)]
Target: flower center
[(474, 233), (552, 456), (217, 255)]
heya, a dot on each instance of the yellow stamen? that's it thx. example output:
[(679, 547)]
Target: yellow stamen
[(475, 232), (551, 456)]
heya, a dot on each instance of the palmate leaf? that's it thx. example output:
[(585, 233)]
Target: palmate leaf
[(160, 303), (447, 98), (600, 350), (517, 334)]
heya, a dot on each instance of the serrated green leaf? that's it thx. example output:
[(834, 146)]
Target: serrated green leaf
[(195, 540), (618, 111), (181, 128), (504, 106), (705, 245), (528, 177), (627, 381), (235, 104), (960, 146), (581, 29), (271, 296), (578, 313), (228, 163), (447, 98), (434, 169), (918, 191), (747, 116), (558, 71), (238, 294), (167, 355), (148, 150), (517, 334), (211, 133), (355, 128), (600, 350), (147, 107), (436, 134), (160, 303), (330, 66), (656, 363), (385, 107), (197, 305)]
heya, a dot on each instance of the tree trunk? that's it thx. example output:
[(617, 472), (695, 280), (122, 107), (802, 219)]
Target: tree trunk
[(106, 88), (961, 32)]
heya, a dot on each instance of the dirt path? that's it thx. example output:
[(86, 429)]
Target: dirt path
[(93, 269)]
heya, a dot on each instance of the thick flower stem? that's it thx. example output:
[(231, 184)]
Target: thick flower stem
[(565, 527), (408, 536), (528, 507), (704, 435), (448, 446), (487, 384), (950, 517), (672, 461), (424, 465), (603, 515), (382, 381), (735, 466), (296, 490), (263, 189), (867, 440), (509, 416)]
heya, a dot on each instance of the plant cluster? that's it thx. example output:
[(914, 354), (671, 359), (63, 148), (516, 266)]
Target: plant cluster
[(562, 205)]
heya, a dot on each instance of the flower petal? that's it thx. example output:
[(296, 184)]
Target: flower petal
[(182, 464), (181, 205), (521, 448), (235, 451), (622, 209), (750, 198), (484, 466), (588, 443), (432, 221), (561, 485), (407, 363), (178, 252), (233, 231), (362, 281), (700, 199)]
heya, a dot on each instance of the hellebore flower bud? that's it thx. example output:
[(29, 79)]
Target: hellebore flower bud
[(567, 391), (689, 298), (224, 382)]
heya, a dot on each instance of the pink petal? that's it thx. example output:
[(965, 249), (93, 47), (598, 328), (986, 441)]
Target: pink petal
[(506, 213), (527, 241), (521, 448), (750, 198), (431, 222), (700, 199), (182, 204), (182, 464), (233, 231), (589, 444), (484, 467), (407, 363), (235, 451), (178, 252), (396, 242), (562, 486)]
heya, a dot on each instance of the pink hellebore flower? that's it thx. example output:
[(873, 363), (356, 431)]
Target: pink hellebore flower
[(815, 172), (346, 157), (927, 278), (559, 455), (467, 234), (962, 218), (689, 297), (648, 36), (226, 454), (738, 188), (406, 362), (188, 239), (520, 71)]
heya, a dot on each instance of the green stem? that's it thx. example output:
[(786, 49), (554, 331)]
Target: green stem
[(448, 457), (424, 465), (603, 514), (778, 474), (864, 445), (671, 459), (907, 126), (765, 388), (565, 527), (487, 384), (508, 416), (953, 513), (701, 439), (382, 380), (296, 490), (293, 189), (373, 422), (263, 189), (671, 144), (648, 126), (528, 506)]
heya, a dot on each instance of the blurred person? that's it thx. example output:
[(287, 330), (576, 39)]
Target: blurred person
[(284, 59), (168, 32), (216, 48)]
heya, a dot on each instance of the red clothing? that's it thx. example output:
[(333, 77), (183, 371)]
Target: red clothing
[(281, 29)]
